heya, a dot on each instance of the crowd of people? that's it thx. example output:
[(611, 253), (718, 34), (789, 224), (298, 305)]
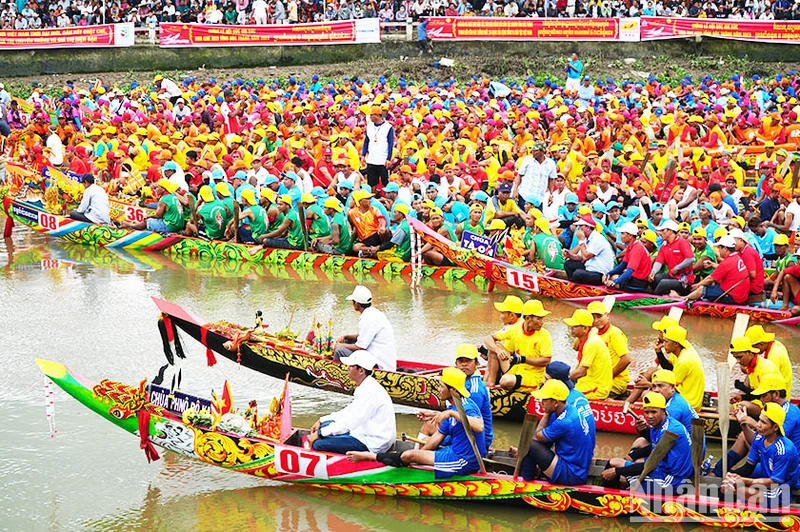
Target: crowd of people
[(22, 15), (762, 462), (642, 186)]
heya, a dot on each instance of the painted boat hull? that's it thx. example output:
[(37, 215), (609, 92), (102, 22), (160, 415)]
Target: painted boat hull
[(499, 272), (122, 404), (414, 384)]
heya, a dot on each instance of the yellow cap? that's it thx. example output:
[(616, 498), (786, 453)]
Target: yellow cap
[(534, 307), (332, 203), (496, 225), (467, 351), (742, 344), (285, 198), (597, 307), (511, 304), (543, 224), (771, 382), (650, 236), (206, 194), (757, 334), (268, 193), (360, 194), (676, 333), (665, 376), (781, 240), (167, 185), (401, 207), (719, 232), (308, 198), (580, 317), (664, 323), (223, 190), (249, 196), (699, 231), (654, 400), (552, 389), (455, 378), (775, 413)]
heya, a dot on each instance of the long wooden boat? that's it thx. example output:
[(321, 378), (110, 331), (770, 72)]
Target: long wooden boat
[(500, 272), (413, 384), (69, 230), (285, 459)]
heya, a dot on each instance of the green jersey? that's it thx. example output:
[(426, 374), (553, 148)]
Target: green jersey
[(258, 225), (707, 252), (173, 215), (213, 217), (784, 262), (345, 245), (477, 229), (401, 238), (295, 236), (276, 223), (319, 225), (548, 250), (228, 202)]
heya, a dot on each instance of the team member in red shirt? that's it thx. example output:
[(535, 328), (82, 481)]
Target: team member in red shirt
[(729, 282), (632, 273), (789, 281), (753, 261), (676, 253)]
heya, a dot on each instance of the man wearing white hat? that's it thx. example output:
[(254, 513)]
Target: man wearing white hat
[(677, 255), (366, 424), (375, 333), (729, 282)]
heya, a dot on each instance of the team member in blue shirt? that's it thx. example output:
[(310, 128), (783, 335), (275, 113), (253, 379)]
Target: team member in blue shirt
[(456, 459), (567, 429), (676, 467), (771, 468), (560, 371), (467, 361)]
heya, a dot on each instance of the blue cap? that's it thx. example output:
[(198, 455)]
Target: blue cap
[(318, 192), (587, 78), (217, 174), (612, 205), (314, 78), (291, 175), (599, 207), (571, 198), (270, 179), (431, 185), (391, 187), (366, 188), (345, 183), (170, 165), (240, 175), (440, 200), (480, 196), (559, 371)]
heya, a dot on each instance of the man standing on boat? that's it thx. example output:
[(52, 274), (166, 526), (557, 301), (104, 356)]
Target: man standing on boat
[(458, 458), (94, 204), (367, 423), (375, 333), (565, 428)]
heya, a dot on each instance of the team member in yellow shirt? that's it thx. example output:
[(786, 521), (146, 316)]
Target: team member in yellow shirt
[(593, 376), (774, 351), (686, 365), (510, 312), (529, 346), (617, 344), (754, 367)]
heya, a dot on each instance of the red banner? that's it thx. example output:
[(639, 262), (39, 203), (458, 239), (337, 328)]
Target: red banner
[(523, 29), (778, 31), (338, 32), (108, 35)]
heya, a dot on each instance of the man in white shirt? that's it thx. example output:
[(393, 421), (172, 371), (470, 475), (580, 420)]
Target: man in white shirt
[(375, 333), (56, 147), (259, 8), (592, 258), (366, 424), (94, 205), (168, 87)]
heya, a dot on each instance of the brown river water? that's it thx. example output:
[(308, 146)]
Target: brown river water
[(91, 310)]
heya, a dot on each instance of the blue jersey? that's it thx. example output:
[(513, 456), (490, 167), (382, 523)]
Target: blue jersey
[(679, 409), (791, 425), (458, 438), (677, 465), (778, 462), (576, 398), (573, 435), (479, 394), (711, 228), (458, 213)]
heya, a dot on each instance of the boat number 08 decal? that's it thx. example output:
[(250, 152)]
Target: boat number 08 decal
[(48, 221), (134, 214), (521, 279), (296, 462)]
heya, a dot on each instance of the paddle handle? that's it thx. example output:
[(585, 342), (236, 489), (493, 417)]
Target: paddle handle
[(467, 429), (524, 446)]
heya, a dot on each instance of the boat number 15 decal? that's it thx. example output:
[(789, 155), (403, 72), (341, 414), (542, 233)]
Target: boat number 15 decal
[(293, 461), (521, 279), (48, 221), (134, 214)]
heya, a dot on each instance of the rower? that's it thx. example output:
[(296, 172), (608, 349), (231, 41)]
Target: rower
[(367, 423), (560, 371), (675, 468), (466, 361), (565, 428), (642, 382), (523, 350), (729, 283), (458, 458), (375, 333), (617, 344), (771, 465), (632, 272), (771, 390), (774, 351), (593, 376), (510, 312), (754, 367), (682, 358)]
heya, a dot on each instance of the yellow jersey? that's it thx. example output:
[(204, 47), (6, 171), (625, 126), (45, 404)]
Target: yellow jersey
[(617, 344), (690, 378), (537, 344), (593, 354), (758, 369), (779, 355)]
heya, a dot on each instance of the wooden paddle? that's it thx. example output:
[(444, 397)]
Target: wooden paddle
[(467, 429), (609, 302), (529, 427), (739, 328), (301, 214), (676, 313), (724, 409), (698, 432), (236, 221), (659, 453)]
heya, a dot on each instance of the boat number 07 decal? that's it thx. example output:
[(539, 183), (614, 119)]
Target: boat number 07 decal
[(48, 221), (134, 214), (521, 279), (293, 461)]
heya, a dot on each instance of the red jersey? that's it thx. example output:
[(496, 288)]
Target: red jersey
[(753, 262), (731, 274), (794, 271), (638, 259), (673, 254)]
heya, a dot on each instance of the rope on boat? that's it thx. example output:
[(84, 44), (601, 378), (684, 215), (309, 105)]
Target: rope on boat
[(50, 406)]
